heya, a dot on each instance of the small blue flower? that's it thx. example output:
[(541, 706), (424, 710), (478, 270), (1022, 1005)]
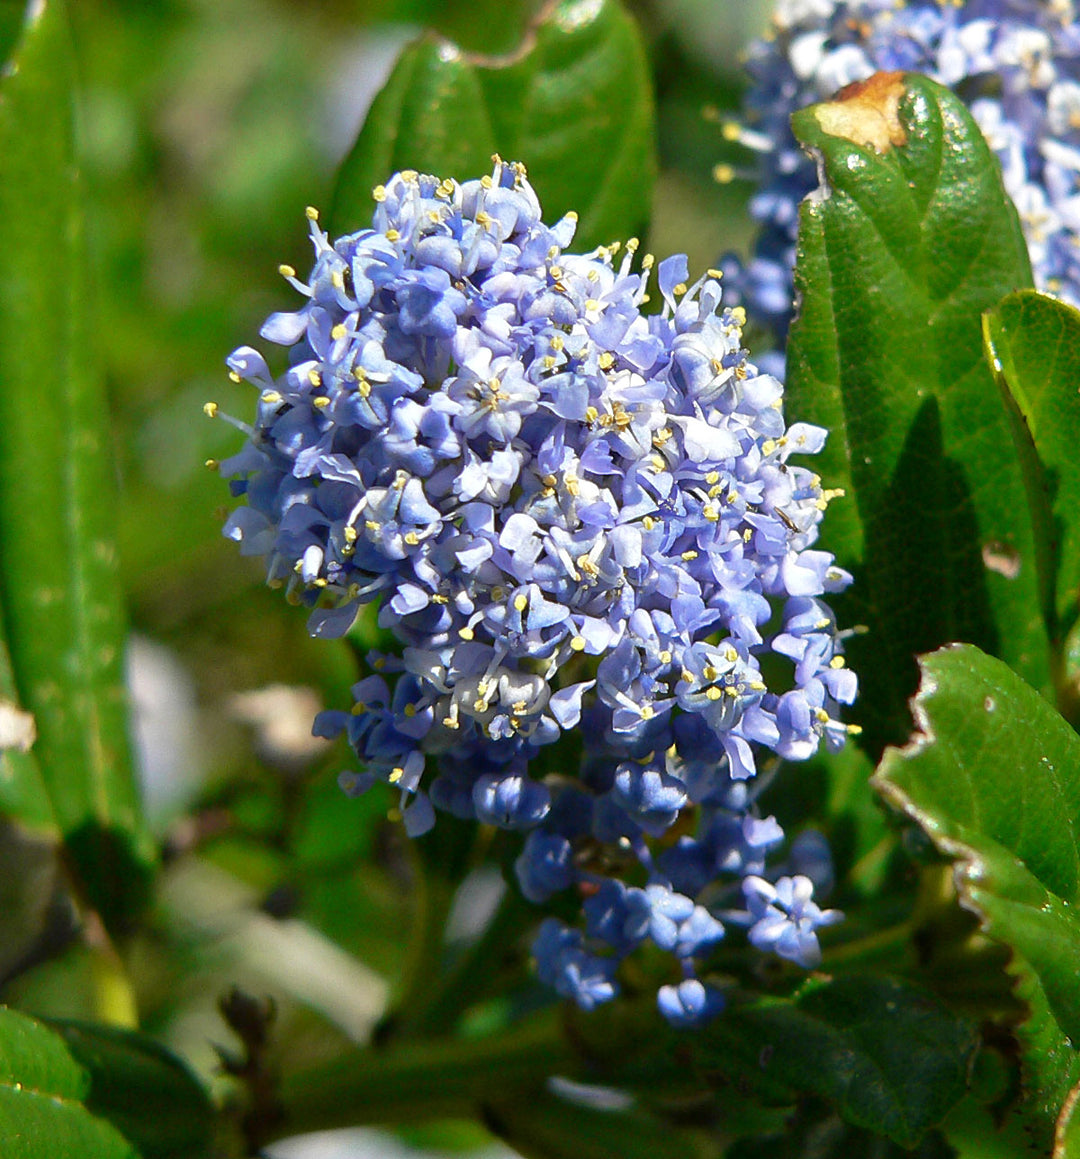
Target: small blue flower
[(511, 802), (690, 1003), (563, 963), (546, 865), (786, 919), (649, 795)]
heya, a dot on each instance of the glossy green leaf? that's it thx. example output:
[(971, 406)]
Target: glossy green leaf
[(832, 1138), (430, 115), (1033, 346), (981, 1132), (993, 777), (41, 1091), (899, 255), (891, 1058), (58, 567), (143, 1090), (630, 1048), (574, 103)]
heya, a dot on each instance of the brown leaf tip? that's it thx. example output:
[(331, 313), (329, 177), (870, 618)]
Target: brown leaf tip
[(867, 112)]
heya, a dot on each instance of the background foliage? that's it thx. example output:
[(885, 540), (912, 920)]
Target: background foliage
[(252, 923)]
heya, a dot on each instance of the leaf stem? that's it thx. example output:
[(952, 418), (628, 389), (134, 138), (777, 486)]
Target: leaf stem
[(868, 945), (433, 896), (113, 994), (470, 978)]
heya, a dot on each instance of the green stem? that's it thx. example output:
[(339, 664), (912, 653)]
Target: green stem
[(869, 945), (442, 1079), (440, 1009), (433, 896)]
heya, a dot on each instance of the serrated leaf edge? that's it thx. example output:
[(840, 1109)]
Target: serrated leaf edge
[(967, 868)]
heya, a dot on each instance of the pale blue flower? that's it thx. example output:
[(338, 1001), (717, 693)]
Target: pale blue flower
[(582, 524)]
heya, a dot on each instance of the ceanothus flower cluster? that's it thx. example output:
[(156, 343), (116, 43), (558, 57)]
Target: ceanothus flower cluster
[(582, 525), (1016, 63)]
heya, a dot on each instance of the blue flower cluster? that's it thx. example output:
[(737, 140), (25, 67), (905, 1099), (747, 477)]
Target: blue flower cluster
[(1017, 64), (580, 522)]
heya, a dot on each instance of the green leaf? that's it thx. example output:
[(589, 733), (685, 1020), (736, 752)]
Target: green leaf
[(41, 1093), (143, 1090), (430, 115), (1033, 346), (574, 103), (58, 566), (832, 1138), (982, 1132), (993, 777), (899, 255), (891, 1058)]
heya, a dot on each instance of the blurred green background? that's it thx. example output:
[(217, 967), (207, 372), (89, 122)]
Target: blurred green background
[(208, 126)]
